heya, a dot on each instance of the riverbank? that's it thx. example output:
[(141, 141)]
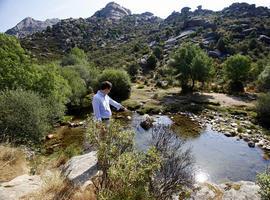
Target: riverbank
[(234, 116), (51, 183)]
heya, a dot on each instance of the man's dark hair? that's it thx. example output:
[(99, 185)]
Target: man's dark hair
[(105, 85)]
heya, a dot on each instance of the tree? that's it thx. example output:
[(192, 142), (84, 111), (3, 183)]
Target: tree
[(236, 71), (191, 64), (16, 69), (185, 11)]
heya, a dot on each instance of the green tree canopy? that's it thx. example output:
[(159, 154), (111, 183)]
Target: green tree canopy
[(236, 70), (15, 67), (191, 64)]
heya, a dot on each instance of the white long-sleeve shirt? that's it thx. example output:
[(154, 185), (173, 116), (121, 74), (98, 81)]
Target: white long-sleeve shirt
[(101, 105)]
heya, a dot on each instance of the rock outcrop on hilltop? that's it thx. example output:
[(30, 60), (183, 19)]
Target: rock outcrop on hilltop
[(29, 26), (112, 11)]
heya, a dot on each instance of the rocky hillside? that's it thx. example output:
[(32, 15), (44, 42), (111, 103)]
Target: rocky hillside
[(239, 28), (29, 26)]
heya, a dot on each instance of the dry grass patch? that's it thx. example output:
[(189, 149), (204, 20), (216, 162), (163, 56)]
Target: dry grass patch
[(57, 187), (12, 163)]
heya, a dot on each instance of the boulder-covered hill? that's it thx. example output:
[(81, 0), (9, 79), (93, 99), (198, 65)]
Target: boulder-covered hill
[(239, 28), (29, 26)]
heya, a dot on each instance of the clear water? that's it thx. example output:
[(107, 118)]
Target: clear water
[(217, 158)]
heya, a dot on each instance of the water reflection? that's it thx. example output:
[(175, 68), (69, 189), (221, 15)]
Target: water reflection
[(217, 157), (201, 176)]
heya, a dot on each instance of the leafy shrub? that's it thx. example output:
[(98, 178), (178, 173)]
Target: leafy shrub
[(24, 116), (130, 175), (111, 143), (236, 69), (263, 180), (125, 172), (157, 173), (120, 81), (76, 56), (263, 109), (77, 85), (264, 79)]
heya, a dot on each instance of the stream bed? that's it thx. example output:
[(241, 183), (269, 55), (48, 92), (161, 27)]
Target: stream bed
[(217, 158)]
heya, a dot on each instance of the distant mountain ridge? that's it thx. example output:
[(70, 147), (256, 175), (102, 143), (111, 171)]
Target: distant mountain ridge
[(29, 26)]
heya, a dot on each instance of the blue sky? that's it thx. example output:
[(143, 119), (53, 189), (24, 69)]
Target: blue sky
[(13, 11)]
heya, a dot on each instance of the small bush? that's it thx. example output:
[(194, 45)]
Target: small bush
[(263, 109), (120, 81), (263, 181), (24, 117)]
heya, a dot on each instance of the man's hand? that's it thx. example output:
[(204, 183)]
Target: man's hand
[(123, 108)]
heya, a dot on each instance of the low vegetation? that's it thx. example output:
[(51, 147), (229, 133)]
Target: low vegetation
[(263, 180), (164, 169)]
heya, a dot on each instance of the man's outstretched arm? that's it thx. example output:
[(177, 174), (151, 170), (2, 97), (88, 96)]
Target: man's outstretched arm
[(115, 104)]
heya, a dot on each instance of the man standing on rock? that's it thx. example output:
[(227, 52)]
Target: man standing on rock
[(101, 103)]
